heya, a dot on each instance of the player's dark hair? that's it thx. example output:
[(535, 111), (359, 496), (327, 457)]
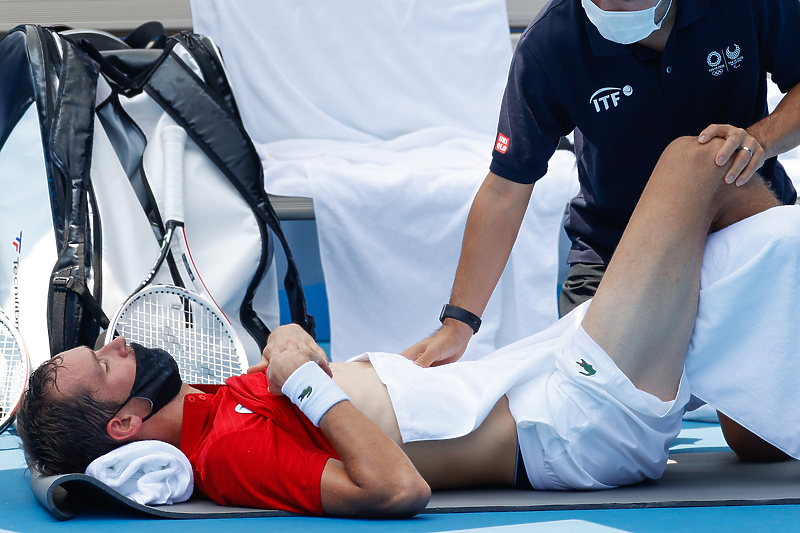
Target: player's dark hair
[(61, 436)]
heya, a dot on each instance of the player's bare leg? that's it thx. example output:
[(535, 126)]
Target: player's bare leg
[(644, 311)]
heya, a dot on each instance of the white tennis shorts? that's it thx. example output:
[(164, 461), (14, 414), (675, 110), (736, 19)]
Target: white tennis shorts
[(594, 429)]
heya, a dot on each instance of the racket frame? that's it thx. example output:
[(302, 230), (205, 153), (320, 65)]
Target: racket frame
[(162, 342), (7, 416), (173, 142)]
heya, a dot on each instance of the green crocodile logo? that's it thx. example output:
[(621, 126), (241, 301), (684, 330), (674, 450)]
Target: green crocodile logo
[(590, 371), (305, 394)]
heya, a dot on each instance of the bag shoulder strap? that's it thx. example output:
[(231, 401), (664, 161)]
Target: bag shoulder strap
[(208, 112), (216, 128), (73, 312)]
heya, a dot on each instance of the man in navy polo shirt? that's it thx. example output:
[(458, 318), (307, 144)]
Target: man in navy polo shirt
[(628, 76)]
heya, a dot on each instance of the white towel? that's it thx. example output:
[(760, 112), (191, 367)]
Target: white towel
[(149, 472), (391, 216), (360, 70), (743, 358), (385, 114)]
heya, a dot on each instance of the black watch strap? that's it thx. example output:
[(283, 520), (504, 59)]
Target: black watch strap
[(462, 315)]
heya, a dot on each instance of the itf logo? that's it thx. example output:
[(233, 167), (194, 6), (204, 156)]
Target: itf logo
[(502, 143), (723, 60), (608, 97), (18, 243)]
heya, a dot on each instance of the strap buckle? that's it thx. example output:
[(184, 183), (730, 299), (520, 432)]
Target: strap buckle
[(63, 284)]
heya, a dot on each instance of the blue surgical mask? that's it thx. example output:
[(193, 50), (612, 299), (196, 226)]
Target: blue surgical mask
[(158, 378), (624, 27)]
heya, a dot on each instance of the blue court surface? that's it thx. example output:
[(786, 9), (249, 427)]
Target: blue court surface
[(20, 512)]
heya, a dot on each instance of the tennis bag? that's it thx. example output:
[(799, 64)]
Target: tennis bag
[(79, 219)]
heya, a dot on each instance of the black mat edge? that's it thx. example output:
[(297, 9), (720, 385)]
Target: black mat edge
[(52, 492)]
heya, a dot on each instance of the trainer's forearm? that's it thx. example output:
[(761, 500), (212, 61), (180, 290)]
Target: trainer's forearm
[(779, 131), (492, 226)]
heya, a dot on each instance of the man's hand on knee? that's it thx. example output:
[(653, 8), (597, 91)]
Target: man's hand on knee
[(285, 338), (744, 151)]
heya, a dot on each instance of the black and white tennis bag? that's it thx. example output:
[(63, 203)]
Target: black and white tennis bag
[(79, 218)]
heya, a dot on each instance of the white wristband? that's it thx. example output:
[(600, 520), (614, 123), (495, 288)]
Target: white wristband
[(312, 390)]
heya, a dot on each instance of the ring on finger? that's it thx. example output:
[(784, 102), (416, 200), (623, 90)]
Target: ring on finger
[(749, 150)]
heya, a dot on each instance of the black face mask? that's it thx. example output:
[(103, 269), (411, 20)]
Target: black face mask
[(158, 378)]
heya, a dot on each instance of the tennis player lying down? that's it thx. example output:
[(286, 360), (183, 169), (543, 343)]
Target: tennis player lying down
[(592, 402)]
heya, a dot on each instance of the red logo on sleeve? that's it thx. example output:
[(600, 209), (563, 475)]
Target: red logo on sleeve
[(502, 143)]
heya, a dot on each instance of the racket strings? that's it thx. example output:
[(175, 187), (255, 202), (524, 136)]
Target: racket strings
[(189, 330), (12, 368)]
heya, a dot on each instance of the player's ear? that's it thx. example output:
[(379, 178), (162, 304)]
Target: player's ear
[(124, 426)]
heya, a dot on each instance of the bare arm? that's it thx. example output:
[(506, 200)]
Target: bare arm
[(492, 226), (374, 477), (775, 134), (779, 131)]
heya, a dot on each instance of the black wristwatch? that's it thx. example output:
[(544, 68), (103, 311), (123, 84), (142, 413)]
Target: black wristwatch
[(462, 315)]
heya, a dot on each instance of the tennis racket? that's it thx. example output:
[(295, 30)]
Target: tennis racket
[(186, 323), (14, 370)]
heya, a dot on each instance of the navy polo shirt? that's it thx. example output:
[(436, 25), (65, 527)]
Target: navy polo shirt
[(626, 103)]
